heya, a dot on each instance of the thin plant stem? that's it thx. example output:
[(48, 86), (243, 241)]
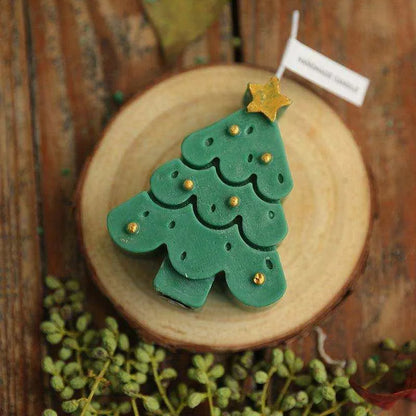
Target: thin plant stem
[(334, 403), (265, 390), (134, 406), (307, 409), (210, 400), (72, 334), (180, 408), (95, 386), (333, 409), (283, 392), (79, 361), (161, 389), (374, 380), (104, 412)]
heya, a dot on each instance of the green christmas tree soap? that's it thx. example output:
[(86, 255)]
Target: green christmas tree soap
[(217, 211)]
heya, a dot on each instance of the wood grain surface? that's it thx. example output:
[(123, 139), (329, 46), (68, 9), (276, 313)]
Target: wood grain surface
[(61, 61)]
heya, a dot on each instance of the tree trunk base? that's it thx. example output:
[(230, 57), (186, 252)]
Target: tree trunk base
[(185, 292), (328, 211)]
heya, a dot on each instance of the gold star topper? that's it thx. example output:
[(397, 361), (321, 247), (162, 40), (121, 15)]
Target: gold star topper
[(267, 99)]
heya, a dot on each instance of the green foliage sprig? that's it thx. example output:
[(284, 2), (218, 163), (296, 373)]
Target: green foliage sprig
[(103, 372)]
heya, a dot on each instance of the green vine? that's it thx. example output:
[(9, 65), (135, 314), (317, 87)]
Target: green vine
[(101, 372)]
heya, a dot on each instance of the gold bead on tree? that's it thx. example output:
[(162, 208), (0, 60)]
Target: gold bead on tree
[(233, 201), (132, 227), (188, 185), (266, 158), (234, 130), (259, 278)]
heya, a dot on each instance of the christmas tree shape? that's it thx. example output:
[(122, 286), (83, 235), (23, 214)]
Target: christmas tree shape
[(218, 209)]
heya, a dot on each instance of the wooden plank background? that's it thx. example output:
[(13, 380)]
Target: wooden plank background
[(60, 63)]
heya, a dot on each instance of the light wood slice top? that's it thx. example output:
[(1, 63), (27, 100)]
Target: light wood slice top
[(328, 211)]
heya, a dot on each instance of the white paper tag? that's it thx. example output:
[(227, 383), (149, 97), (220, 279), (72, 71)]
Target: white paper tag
[(324, 72)]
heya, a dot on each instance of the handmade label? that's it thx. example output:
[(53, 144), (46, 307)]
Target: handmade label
[(324, 72)]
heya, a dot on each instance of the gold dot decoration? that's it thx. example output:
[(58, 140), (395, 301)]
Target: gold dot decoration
[(233, 201), (259, 278), (188, 185), (266, 158), (132, 227), (234, 130)]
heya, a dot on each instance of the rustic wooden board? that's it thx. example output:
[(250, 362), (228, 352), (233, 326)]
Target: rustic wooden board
[(328, 211), (366, 37), (69, 111), (80, 53), (20, 284)]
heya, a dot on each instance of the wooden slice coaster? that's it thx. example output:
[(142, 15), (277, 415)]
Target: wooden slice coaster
[(328, 211)]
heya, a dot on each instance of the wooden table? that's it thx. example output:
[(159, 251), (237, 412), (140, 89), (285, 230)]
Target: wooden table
[(61, 62)]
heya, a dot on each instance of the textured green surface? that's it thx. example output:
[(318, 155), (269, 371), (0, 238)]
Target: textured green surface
[(263, 223), (171, 284), (238, 157), (196, 251), (205, 237), (208, 251)]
